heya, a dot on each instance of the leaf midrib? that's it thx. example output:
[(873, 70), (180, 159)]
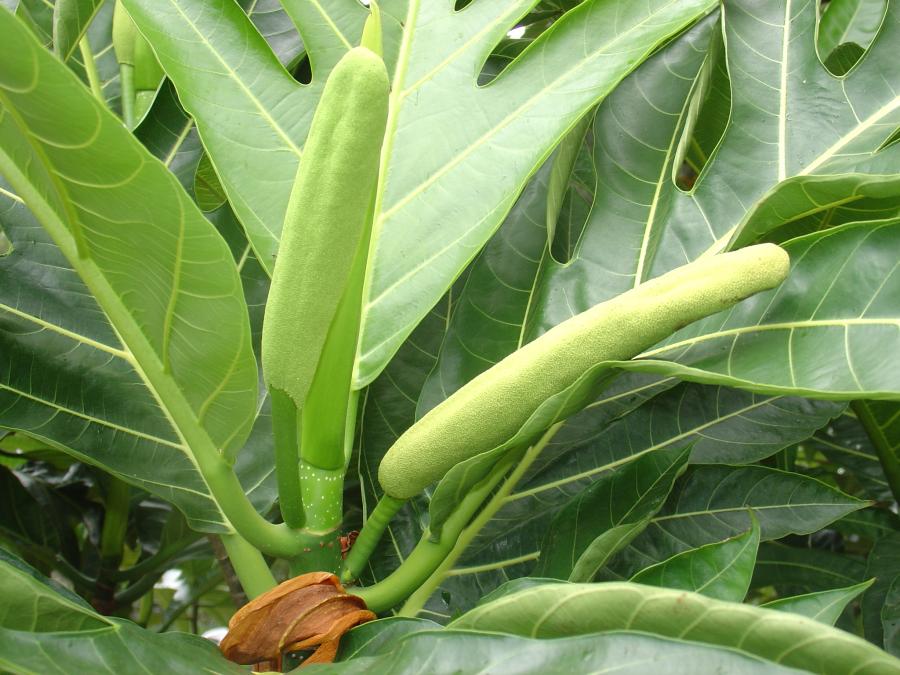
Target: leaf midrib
[(263, 111), (606, 467), (790, 325)]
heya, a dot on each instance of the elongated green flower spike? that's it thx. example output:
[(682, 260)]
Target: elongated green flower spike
[(312, 314), (491, 408), (326, 215)]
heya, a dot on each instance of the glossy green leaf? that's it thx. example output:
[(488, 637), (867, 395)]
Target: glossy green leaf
[(446, 652), (711, 503), (566, 70), (222, 66), (38, 16), (37, 517), (32, 602), (870, 523), (576, 609), (845, 21), (835, 308), (638, 207), (843, 58), (203, 373), (708, 505), (824, 606), (126, 430), (648, 214), (98, 37), (71, 19), (720, 570), (608, 514), (44, 629)]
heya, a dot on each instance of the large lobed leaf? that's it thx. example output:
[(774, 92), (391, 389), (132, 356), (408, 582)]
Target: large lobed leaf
[(514, 121)]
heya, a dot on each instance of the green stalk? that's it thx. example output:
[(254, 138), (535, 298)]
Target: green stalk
[(287, 459), (350, 429), (371, 533), (115, 522), (428, 555), (158, 559), (126, 82), (137, 590), (417, 600), (887, 454), (323, 497), (249, 565), (90, 67)]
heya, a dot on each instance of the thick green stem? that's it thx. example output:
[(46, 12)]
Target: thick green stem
[(126, 82), (417, 600), (287, 458), (90, 67), (115, 522), (369, 536), (277, 540), (350, 426), (428, 555), (249, 565), (323, 496), (887, 455)]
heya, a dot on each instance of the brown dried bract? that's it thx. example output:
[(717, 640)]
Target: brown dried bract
[(309, 611)]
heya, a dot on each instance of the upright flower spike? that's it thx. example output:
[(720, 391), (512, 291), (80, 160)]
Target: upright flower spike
[(310, 325)]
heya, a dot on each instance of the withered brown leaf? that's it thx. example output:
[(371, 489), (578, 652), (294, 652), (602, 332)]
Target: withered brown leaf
[(309, 611)]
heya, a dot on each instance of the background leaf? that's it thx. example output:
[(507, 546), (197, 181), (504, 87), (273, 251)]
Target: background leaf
[(575, 546), (845, 21), (824, 606), (71, 19), (720, 570)]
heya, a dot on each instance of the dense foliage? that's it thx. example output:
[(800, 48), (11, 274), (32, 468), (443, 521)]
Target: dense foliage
[(726, 501)]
